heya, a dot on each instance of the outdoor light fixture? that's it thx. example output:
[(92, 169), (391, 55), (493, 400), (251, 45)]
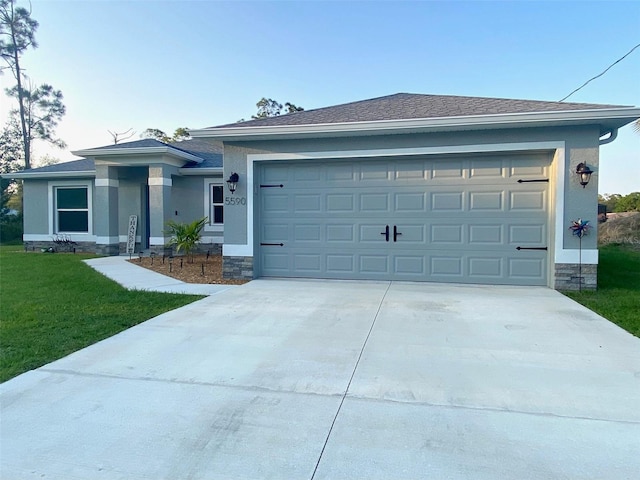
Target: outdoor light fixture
[(232, 183), (584, 172)]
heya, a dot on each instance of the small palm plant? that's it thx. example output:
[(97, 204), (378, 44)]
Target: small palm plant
[(185, 236)]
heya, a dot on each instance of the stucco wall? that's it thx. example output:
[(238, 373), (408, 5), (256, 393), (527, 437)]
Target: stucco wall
[(36, 214)]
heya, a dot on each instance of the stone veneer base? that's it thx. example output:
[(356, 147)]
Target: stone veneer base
[(567, 277), (77, 247), (238, 268)]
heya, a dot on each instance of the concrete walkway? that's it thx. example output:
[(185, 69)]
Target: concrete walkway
[(134, 277), (286, 379)]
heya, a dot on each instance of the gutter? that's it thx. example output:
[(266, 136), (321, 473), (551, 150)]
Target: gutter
[(613, 134)]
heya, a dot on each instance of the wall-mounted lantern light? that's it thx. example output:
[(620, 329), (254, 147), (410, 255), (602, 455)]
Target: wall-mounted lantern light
[(584, 172), (232, 183)]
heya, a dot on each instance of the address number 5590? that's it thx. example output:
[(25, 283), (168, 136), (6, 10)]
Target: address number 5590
[(235, 200)]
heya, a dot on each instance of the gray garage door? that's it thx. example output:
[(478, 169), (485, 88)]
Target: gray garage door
[(464, 219)]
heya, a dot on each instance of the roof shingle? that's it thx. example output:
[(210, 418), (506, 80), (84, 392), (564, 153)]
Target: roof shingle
[(403, 106)]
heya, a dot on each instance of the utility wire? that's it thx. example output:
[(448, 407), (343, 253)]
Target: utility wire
[(599, 75)]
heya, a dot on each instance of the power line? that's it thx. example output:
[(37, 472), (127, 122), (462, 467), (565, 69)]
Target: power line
[(599, 75)]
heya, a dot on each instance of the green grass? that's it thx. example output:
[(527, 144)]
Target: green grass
[(54, 304), (618, 295)]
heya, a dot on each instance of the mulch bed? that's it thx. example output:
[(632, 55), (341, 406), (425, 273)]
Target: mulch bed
[(199, 270)]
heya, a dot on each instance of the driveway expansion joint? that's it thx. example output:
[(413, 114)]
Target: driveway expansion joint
[(346, 392)]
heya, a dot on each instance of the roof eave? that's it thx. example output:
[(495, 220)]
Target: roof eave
[(109, 152), (201, 171), (608, 118), (26, 174)]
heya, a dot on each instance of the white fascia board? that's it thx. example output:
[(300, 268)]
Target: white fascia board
[(201, 171), (572, 117), (27, 174), (108, 152)]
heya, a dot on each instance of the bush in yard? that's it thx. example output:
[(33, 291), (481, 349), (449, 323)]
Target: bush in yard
[(185, 236), (10, 229), (623, 228)]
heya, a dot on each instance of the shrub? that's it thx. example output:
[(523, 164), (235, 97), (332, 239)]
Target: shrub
[(185, 236), (11, 229), (623, 228)]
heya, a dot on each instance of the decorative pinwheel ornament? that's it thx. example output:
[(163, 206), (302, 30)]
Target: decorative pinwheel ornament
[(580, 227)]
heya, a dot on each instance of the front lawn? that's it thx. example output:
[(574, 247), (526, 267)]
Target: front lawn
[(54, 304), (618, 294)]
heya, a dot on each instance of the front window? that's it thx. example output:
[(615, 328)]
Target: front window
[(216, 213), (72, 210)]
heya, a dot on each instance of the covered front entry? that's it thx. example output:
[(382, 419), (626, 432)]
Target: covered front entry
[(455, 218)]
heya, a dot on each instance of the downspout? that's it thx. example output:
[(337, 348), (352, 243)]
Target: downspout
[(613, 134)]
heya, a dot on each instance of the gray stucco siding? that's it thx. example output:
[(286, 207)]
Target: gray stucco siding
[(187, 199), (36, 214)]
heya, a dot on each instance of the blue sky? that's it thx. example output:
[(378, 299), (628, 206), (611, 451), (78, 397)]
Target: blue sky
[(167, 64)]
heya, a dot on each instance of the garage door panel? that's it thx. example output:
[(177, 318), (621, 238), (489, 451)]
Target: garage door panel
[(275, 204), (446, 265), (486, 201), (527, 201), (341, 263), (486, 267), (527, 268), (307, 233), (340, 233), (304, 203), (446, 234), (410, 265), (486, 234), (276, 232), (340, 202), (447, 169), (483, 168), (411, 202), (374, 264), (460, 219), (311, 263), (447, 201), (527, 234), (374, 202)]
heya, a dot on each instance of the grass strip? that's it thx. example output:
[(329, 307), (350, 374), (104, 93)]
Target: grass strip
[(54, 304), (618, 295)]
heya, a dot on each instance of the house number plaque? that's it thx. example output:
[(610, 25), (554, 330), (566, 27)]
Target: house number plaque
[(235, 200)]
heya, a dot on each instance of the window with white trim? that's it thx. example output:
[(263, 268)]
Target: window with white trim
[(216, 204), (72, 209)]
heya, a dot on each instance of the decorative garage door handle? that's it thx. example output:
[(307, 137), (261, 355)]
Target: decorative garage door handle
[(386, 233), (529, 181), (272, 244), (395, 233), (531, 248)]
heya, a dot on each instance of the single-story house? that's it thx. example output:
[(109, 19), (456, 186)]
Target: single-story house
[(403, 187)]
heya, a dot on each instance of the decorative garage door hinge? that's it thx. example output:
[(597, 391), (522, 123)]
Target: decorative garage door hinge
[(531, 248), (537, 180), (272, 186), (272, 244)]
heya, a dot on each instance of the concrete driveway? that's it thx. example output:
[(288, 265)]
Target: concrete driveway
[(289, 379)]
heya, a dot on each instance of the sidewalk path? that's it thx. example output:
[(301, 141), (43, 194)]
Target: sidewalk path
[(134, 277)]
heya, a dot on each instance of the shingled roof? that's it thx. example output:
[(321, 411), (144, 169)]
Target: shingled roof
[(403, 106)]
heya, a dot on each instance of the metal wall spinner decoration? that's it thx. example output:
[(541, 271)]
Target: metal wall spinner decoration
[(580, 228)]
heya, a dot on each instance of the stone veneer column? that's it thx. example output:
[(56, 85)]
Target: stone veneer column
[(105, 210), (160, 185)]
